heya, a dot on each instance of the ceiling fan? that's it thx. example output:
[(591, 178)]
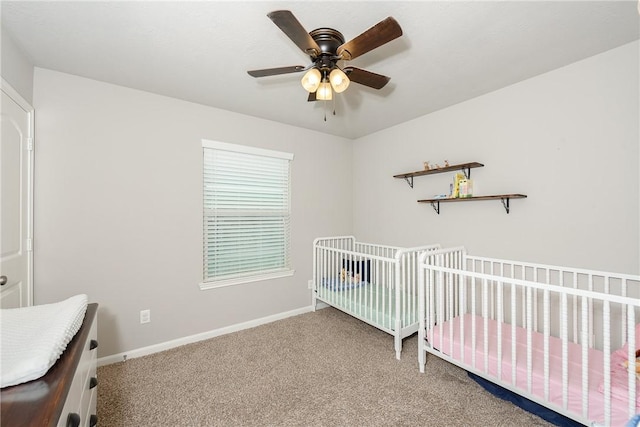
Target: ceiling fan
[(325, 47)]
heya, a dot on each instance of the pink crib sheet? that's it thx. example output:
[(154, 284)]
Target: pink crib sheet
[(619, 410)]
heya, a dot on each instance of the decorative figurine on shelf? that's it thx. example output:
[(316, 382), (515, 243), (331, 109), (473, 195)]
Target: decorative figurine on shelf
[(437, 166), (446, 163), (426, 166)]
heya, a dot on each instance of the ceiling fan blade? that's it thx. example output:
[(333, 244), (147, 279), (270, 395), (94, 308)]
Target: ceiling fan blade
[(275, 71), (367, 78), (381, 33), (288, 23), (311, 97)]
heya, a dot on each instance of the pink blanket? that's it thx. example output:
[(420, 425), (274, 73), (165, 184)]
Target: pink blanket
[(620, 378), (450, 344), (619, 374)]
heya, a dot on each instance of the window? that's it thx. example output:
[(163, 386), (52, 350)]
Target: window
[(246, 218)]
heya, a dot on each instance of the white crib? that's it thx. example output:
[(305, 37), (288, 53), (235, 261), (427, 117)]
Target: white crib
[(557, 336), (375, 283)]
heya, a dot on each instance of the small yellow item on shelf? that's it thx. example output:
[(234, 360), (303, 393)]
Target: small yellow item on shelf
[(456, 185)]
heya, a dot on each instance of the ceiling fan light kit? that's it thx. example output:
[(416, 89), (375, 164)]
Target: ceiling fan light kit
[(339, 80), (324, 92), (325, 47), (311, 80)]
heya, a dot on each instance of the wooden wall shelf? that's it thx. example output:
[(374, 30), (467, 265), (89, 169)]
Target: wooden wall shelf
[(464, 167), (435, 203)]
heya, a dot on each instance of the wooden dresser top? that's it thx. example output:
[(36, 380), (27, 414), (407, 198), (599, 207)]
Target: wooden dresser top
[(40, 402)]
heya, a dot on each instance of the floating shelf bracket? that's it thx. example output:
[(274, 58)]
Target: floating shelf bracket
[(466, 170), (436, 206), (505, 203), (409, 180)]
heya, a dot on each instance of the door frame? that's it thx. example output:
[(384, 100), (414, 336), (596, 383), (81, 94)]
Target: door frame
[(26, 106)]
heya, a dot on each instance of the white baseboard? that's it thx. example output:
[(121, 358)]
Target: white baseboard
[(144, 351)]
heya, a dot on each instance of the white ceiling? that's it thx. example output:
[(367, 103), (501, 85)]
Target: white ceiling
[(451, 51)]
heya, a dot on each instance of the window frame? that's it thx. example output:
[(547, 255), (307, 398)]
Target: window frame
[(240, 278)]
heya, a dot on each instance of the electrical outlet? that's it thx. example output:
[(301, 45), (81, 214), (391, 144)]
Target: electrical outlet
[(145, 316), (310, 284)]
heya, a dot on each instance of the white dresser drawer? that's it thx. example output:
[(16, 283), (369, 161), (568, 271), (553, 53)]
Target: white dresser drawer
[(84, 386), (91, 412)]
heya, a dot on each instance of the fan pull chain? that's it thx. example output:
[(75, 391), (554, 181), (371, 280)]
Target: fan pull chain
[(324, 105), (334, 105)]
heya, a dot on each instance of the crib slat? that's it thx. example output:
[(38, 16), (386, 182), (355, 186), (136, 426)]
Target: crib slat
[(631, 378), (565, 349), (535, 301), (473, 325), (500, 320), (514, 319), (547, 332), (449, 299), (423, 319), (606, 318), (575, 308), (485, 322), (529, 326), (585, 358), (523, 300), (591, 330), (623, 292), (463, 338)]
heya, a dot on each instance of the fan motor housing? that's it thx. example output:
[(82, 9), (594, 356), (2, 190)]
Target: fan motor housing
[(328, 41)]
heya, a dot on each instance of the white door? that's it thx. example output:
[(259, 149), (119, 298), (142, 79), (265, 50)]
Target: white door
[(16, 200)]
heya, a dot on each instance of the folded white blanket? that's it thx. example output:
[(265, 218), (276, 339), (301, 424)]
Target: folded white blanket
[(33, 338)]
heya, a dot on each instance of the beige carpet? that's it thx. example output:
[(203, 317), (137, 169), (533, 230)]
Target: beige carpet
[(318, 369)]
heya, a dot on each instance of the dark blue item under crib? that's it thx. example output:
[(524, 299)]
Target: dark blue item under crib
[(524, 403)]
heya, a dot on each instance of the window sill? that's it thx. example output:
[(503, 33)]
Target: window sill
[(246, 279)]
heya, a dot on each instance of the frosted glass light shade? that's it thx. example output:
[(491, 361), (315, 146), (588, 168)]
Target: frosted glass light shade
[(339, 80), (311, 80), (324, 92)]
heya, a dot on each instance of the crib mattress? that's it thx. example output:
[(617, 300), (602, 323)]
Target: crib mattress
[(452, 347), (374, 304)]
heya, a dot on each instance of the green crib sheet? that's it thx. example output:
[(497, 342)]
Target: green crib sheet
[(375, 304)]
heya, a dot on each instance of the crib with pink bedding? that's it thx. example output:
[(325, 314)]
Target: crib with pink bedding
[(557, 336)]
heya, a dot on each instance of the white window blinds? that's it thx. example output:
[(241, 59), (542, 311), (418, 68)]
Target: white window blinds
[(246, 213)]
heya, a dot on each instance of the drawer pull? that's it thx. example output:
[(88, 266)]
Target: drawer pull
[(93, 344), (93, 420), (73, 420), (93, 382)]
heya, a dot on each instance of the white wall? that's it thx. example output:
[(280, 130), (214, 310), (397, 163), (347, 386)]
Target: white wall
[(118, 211), (15, 67), (569, 139)]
